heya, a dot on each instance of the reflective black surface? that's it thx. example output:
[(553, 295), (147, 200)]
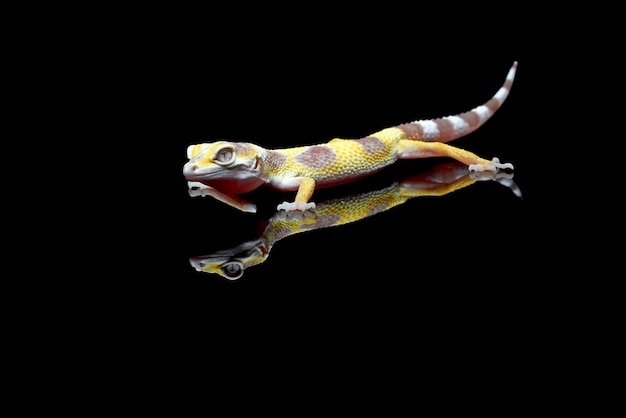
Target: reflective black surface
[(474, 284)]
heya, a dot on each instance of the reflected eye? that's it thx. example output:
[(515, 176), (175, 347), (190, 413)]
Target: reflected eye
[(225, 156), (232, 270)]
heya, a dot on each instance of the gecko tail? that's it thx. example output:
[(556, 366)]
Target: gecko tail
[(455, 126)]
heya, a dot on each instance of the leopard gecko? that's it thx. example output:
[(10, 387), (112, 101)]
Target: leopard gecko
[(231, 168)]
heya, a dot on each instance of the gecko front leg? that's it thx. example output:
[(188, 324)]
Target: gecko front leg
[(301, 202), (199, 189)]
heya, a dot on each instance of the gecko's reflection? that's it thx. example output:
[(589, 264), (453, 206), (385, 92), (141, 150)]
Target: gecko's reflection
[(440, 180)]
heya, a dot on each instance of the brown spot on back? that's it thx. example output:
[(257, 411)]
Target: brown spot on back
[(372, 145), (275, 159), (317, 156), (381, 207), (412, 130), (323, 222)]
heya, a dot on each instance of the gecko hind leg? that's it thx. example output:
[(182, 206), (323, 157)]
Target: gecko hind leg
[(420, 149)]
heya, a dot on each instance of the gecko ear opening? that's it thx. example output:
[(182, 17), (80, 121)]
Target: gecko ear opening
[(232, 270)]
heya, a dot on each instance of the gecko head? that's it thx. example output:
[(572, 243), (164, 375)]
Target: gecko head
[(232, 263), (229, 269), (230, 167)]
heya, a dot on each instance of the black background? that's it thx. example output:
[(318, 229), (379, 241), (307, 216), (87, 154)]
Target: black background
[(478, 279), (129, 98)]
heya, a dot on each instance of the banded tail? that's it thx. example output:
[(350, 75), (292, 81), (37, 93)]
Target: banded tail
[(452, 127)]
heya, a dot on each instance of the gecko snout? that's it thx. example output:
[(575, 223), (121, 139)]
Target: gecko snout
[(189, 169)]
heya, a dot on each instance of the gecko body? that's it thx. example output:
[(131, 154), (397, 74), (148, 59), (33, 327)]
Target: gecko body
[(234, 168)]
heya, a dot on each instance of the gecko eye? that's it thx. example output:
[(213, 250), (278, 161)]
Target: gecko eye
[(232, 270), (225, 156)]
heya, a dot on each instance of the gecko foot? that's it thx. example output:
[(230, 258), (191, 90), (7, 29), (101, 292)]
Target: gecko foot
[(295, 214), (296, 206), (291, 206), (197, 189), (495, 165), (490, 175), (505, 179)]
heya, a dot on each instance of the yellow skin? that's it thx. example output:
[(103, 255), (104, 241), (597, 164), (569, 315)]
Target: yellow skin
[(225, 169), (442, 179)]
